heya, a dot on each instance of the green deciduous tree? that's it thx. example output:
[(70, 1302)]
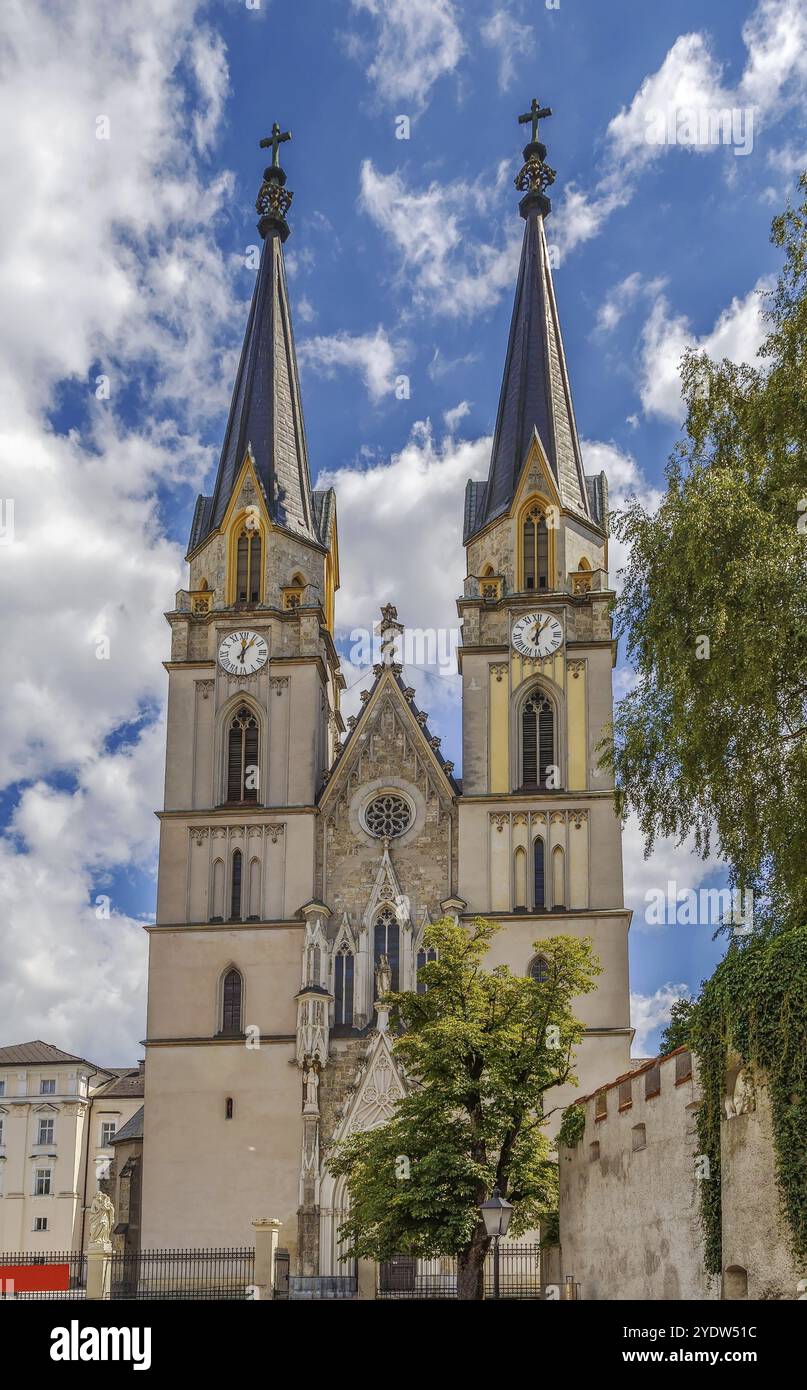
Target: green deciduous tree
[(714, 608), (480, 1048)]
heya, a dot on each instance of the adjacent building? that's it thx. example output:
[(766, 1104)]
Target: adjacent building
[(59, 1115)]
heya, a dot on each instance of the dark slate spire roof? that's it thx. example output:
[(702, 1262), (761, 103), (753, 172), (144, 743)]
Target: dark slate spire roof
[(535, 395), (266, 414)]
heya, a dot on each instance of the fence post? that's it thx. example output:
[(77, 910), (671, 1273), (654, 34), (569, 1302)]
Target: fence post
[(99, 1269), (266, 1237)]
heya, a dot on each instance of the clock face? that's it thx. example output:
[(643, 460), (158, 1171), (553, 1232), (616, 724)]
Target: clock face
[(537, 634), (242, 653)]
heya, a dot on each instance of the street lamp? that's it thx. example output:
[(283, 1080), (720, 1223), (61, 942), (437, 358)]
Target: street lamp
[(496, 1213)]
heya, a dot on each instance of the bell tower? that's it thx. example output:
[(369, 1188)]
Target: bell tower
[(253, 726), (540, 843)]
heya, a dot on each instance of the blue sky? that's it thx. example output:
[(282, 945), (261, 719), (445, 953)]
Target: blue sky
[(127, 258)]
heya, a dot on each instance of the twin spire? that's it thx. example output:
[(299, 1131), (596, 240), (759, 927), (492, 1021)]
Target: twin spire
[(266, 417)]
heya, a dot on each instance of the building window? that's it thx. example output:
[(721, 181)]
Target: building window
[(424, 956), (235, 887), (536, 550), (42, 1182), (1, 1131), (248, 567), (242, 757), (388, 816), (539, 874), (537, 741), (601, 1105), (625, 1095), (594, 1151), (735, 1282), (638, 1137), (108, 1129), (683, 1066), (231, 1003), (45, 1132), (47, 1088), (2, 1088), (386, 942), (539, 969), (343, 987), (40, 1223), (652, 1081), (228, 1108)]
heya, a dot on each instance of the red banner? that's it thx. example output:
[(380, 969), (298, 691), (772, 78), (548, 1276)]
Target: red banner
[(34, 1278)]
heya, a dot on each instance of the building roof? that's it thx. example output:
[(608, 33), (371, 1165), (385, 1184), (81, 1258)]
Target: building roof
[(128, 1082), (30, 1054), (639, 1065), (266, 413), (133, 1129)]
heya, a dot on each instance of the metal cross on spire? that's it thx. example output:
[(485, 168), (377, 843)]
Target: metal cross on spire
[(274, 141), (535, 114)]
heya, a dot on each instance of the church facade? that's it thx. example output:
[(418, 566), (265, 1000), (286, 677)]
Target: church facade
[(301, 856)]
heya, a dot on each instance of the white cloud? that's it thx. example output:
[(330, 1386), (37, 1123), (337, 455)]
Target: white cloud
[(625, 479), (370, 354), (511, 39), (737, 335), (110, 268), (452, 274), (775, 35), (622, 296), (688, 79), (451, 418), (651, 1011), (306, 312), (417, 43)]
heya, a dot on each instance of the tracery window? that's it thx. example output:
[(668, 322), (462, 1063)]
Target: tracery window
[(388, 816), (242, 756), (539, 969), (248, 567), (235, 887), (343, 972), (386, 942), (424, 956), (537, 740), (540, 874), (536, 550)]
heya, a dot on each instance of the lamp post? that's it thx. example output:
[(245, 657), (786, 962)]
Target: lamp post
[(496, 1213)]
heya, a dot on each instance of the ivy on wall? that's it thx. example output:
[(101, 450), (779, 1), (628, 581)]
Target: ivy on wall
[(755, 1007)]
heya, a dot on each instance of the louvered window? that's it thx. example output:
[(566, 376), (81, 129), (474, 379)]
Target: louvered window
[(343, 988), (231, 1003), (536, 550), (386, 942), (242, 757), (248, 567), (537, 741), (540, 874), (235, 895)]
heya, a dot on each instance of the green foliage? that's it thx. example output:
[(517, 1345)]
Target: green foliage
[(480, 1049), (720, 744), (678, 1030), (753, 1008), (572, 1126)]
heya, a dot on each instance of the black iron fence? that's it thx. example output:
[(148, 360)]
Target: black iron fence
[(226, 1273), (519, 1275), (56, 1274)]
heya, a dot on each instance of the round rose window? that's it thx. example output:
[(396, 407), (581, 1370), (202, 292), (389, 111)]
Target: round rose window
[(388, 816)]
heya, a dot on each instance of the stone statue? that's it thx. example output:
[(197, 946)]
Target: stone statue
[(383, 977), (102, 1215), (311, 1079)]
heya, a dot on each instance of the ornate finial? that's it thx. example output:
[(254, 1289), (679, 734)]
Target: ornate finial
[(274, 199), (535, 175), (390, 633)]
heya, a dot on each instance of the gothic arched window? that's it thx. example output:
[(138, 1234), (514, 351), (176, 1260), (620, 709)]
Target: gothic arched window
[(248, 567), (535, 542), (540, 874), (386, 942), (235, 886), (424, 956), (539, 969), (343, 969), (242, 756), (537, 740), (231, 1002)]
